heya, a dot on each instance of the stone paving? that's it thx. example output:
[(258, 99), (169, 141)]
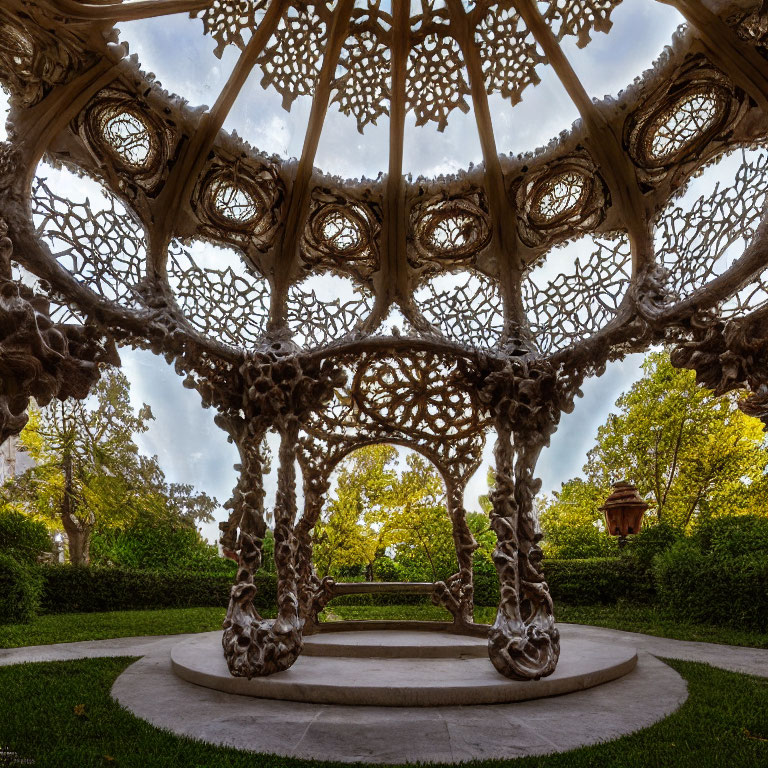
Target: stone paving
[(752, 661), (652, 691)]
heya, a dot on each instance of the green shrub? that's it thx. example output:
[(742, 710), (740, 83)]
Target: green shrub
[(70, 589), (486, 582), (577, 582), (651, 541), (350, 573), (733, 535), (158, 548), (566, 539), (21, 537), (598, 580), (385, 569), (20, 588), (712, 588)]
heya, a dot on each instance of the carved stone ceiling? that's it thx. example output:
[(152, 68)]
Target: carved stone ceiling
[(537, 253)]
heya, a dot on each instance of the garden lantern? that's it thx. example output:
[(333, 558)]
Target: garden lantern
[(624, 510)]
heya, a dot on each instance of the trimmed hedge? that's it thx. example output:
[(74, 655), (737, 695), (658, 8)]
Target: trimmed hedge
[(599, 580), (74, 589), (704, 587), (20, 587), (158, 549), (578, 582), (70, 589)]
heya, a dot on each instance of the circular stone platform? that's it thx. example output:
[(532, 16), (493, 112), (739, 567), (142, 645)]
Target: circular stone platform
[(400, 668), (444, 734)]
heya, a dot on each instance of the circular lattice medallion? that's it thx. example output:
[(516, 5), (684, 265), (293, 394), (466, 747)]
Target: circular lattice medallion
[(420, 394)]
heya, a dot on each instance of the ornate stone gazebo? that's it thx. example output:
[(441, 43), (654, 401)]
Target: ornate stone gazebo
[(499, 350)]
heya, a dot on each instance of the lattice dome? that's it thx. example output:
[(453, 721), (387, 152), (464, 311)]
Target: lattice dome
[(272, 286)]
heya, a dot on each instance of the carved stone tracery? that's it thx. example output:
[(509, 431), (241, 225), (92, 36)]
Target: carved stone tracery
[(290, 331)]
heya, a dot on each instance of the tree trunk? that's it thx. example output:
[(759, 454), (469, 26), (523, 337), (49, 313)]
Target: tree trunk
[(79, 537), (78, 532)]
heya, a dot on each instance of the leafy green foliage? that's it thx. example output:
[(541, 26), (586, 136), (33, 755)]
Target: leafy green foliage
[(691, 454), (21, 537), (572, 523), (592, 581), (693, 457), (651, 541), (89, 475), (69, 589), (158, 548), (719, 574), (20, 587), (386, 524), (733, 536)]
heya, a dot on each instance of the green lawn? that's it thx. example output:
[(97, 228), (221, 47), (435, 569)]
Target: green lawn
[(60, 715), (70, 627), (650, 620), (66, 628)]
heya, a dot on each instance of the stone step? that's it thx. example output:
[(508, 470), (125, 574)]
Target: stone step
[(401, 681), (395, 644)]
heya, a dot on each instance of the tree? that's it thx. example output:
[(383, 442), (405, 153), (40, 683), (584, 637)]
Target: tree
[(88, 470), (419, 529), (352, 529), (690, 453), (572, 523), (375, 510)]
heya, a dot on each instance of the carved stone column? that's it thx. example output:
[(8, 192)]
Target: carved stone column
[(278, 392), (254, 646), (247, 502), (314, 593), (523, 643), (456, 594), (526, 398)]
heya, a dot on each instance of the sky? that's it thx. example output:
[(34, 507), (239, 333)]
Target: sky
[(183, 435)]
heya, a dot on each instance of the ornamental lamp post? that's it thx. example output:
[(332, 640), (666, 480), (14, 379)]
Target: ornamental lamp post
[(624, 510)]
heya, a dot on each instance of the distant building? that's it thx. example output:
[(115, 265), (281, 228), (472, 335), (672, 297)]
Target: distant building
[(14, 460)]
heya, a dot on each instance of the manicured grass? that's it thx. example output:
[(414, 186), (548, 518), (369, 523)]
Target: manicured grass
[(67, 628), (650, 620), (71, 627), (61, 716)]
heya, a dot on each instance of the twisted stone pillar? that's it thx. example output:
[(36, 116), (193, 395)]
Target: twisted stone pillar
[(523, 643), (456, 593), (314, 593), (254, 646)]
